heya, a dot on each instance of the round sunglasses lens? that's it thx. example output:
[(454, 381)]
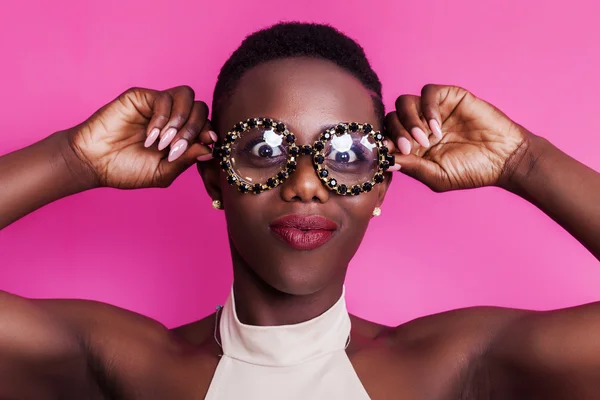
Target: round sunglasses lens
[(258, 154), (351, 158)]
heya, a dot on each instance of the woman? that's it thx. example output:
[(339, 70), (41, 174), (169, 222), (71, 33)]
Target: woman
[(293, 101)]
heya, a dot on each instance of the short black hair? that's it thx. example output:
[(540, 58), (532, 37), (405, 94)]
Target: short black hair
[(296, 39)]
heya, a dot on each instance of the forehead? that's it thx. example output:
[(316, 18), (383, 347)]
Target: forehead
[(304, 93)]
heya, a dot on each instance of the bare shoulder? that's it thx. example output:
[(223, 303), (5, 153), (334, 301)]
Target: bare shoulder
[(197, 333), (468, 326), (123, 349), (96, 322), (441, 354)]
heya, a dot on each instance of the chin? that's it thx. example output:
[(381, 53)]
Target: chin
[(298, 278)]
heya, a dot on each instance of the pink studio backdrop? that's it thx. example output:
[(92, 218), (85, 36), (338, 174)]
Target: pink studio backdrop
[(164, 253)]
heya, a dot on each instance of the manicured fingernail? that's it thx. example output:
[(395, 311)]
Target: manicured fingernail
[(213, 136), (166, 140), (404, 145), (420, 136), (151, 137), (435, 128), (395, 167), (205, 157), (387, 143), (178, 149)]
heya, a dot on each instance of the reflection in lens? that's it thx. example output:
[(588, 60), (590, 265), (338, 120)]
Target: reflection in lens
[(258, 154), (351, 158)]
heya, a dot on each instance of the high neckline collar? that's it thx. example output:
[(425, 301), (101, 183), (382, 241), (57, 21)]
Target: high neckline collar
[(284, 345)]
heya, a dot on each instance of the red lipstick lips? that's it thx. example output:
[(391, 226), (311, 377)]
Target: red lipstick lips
[(304, 232)]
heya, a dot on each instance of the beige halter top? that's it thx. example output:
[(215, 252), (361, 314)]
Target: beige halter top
[(292, 362)]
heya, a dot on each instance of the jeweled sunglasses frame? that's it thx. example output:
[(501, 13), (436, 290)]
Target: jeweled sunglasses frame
[(317, 150)]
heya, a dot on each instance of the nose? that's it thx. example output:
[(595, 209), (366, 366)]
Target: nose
[(303, 184)]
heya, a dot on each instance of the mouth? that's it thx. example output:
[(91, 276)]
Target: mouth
[(304, 232)]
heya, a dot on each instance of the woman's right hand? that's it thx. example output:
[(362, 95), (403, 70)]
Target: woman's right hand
[(117, 145)]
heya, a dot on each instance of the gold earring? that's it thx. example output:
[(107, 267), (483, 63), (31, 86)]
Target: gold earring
[(376, 212), (217, 205)]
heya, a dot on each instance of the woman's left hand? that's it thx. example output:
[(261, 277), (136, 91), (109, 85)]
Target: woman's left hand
[(449, 139)]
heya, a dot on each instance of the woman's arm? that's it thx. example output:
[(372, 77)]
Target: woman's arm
[(39, 174), (40, 357), (563, 188), (114, 148), (539, 355)]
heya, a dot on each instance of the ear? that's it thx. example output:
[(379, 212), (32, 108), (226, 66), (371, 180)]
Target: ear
[(211, 174), (382, 188)]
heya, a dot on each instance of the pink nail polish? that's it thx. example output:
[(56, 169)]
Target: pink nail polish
[(151, 137), (167, 138), (395, 167), (404, 145), (420, 136), (178, 149), (435, 128), (204, 157), (213, 136)]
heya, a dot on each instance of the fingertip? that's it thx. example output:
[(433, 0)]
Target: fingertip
[(177, 150), (404, 145), (436, 128), (167, 138), (151, 137), (420, 136), (204, 157), (213, 136)]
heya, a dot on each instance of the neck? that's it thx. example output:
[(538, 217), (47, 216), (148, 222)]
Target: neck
[(258, 303)]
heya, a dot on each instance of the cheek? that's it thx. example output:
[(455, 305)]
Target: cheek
[(246, 210), (359, 209)]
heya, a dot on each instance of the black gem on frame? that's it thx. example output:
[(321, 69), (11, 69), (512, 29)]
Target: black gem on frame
[(282, 175)]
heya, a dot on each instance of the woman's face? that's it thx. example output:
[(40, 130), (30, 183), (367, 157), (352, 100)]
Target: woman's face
[(297, 255)]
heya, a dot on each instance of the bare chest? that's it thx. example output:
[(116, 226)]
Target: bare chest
[(383, 371)]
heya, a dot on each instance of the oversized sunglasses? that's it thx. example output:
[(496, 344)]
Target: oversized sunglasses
[(259, 154)]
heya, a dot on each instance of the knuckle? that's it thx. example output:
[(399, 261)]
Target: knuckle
[(165, 97), (429, 89), (187, 91), (133, 90), (191, 130), (389, 116), (161, 119), (401, 101), (176, 121), (164, 184), (405, 101), (202, 109)]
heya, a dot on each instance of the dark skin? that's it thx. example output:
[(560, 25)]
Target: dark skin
[(67, 348)]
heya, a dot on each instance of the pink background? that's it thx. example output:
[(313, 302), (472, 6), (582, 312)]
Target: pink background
[(164, 253)]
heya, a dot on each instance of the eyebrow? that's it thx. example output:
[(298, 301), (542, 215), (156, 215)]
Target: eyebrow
[(327, 127)]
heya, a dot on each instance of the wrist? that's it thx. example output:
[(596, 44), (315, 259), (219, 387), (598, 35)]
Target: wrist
[(80, 170), (524, 162)]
